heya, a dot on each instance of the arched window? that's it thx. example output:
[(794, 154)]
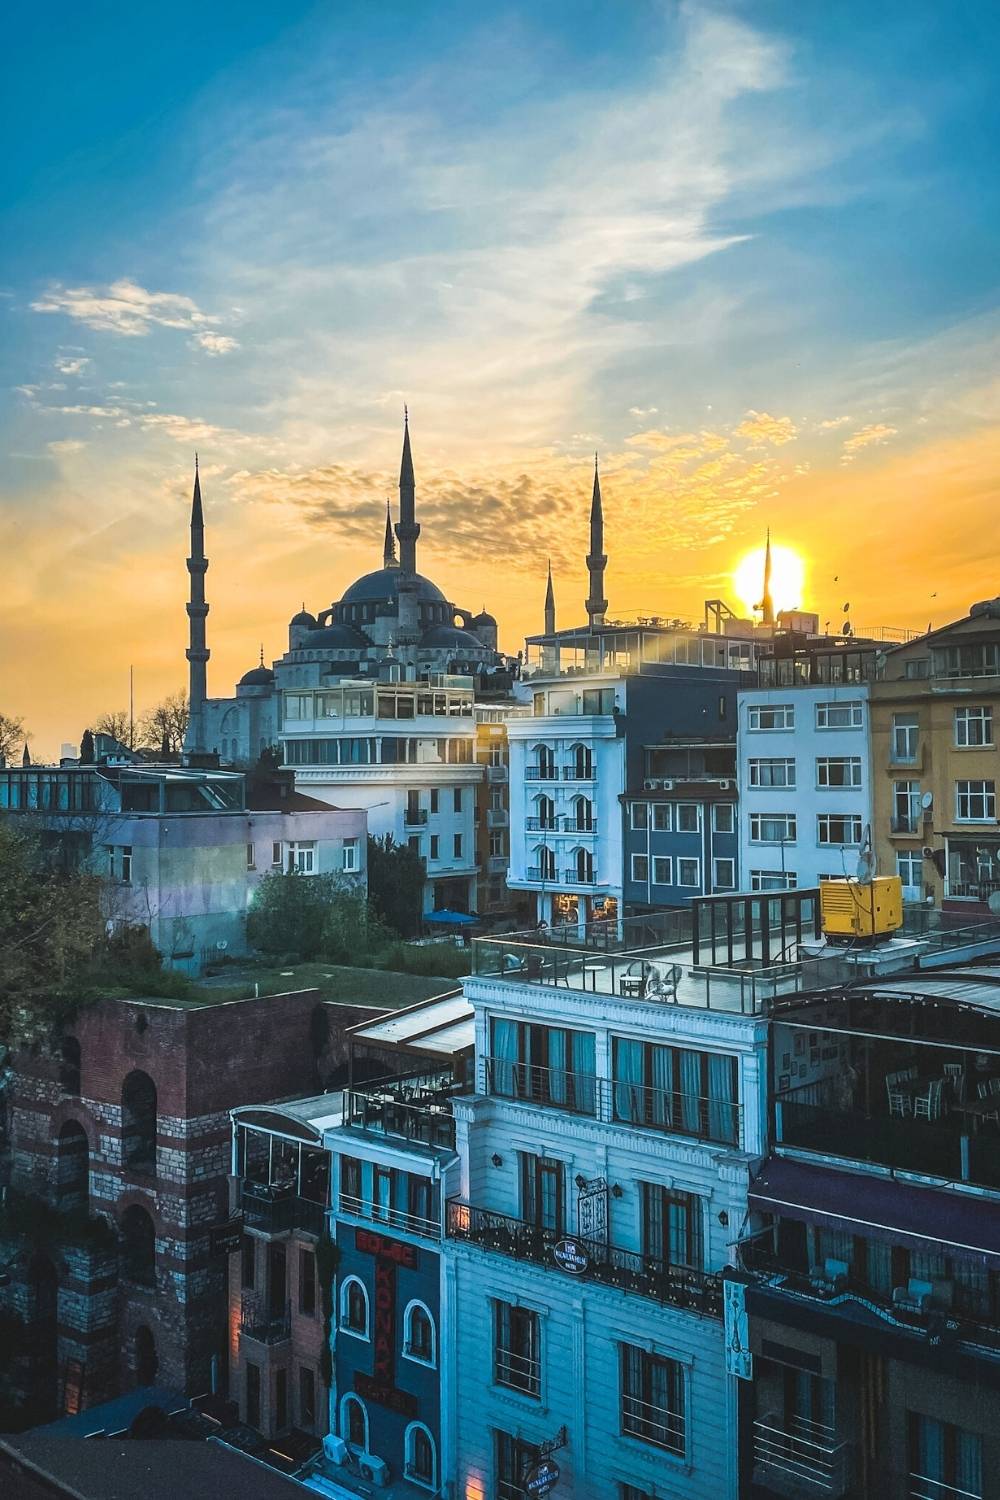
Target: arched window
[(420, 1455), (69, 1066), (146, 1362), (546, 762), (72, 1168), (354, 1422), (584, 866), (583, 762), (138, 1246), (139, 1123), (546, 812), (545, 863), (354, 1307), (418, 1334), (583, 809)]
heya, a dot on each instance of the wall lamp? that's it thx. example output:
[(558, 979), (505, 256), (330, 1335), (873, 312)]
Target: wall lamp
[(617, 1191), (497, 1159), (723, 1218)]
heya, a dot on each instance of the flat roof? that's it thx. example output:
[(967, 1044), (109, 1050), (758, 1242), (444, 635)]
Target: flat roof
[(155, 1468), (442, 1024), (976, 987)]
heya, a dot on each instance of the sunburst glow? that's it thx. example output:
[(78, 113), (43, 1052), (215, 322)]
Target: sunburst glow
[(787, 579)]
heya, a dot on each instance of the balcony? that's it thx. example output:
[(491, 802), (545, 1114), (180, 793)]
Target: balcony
[(579, 772), (796, 1457), (580, 877), (627, 1270), (390, 1218), (275, 1210), (541, 773), (924, 1488), (415, 817), (557, 1088), (497, 817), (496, 774), (416, 1107), (541, 825), (585, 829), (497, 864), (541, 873), (262, 1323)]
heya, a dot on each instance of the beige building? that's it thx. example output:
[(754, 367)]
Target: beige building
[(935, 715)]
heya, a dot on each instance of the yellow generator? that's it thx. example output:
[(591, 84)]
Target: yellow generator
[(861, 909)]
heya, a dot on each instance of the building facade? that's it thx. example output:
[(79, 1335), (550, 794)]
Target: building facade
[(681, 828), (934, 750)]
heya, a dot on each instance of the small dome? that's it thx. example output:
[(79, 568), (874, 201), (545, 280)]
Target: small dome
[(304, 618), (335, 637), (450, 638), (259, 677), (483, 619)]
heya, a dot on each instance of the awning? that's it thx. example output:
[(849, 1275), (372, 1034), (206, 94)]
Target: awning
[(881, 1208), (451, 918)]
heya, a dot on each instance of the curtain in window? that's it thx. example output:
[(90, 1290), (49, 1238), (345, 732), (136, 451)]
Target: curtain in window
[(722, 1121), (926, 1266), (968, 1462), (879, 1272), (504, 1057), (659, 1098), (584, 1070), (835, 1244), (690, 1090), (972, 1286), (652, 1221), (928, 1446), (553, 1085), (628, 1071), (684, 1230)]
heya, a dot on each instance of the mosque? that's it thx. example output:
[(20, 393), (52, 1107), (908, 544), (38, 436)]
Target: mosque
[(392, 624)]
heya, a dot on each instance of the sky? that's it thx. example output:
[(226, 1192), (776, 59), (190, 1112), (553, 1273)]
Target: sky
[(746, 251)]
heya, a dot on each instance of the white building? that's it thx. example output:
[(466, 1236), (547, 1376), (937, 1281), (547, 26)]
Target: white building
[(804, 770), (605, 1161)]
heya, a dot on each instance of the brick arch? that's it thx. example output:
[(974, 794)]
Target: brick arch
[(131, 1197), (71, 1110)]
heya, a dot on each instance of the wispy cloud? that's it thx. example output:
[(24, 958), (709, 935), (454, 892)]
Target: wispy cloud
[(215, 343), (66, 445), (865, 437), (832, 422), (761, 429), (124, 308), (71, 364)]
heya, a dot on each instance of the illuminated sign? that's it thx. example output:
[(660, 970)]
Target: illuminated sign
[(542, 1477), (570, 1256), (380, 1386), (383, 1248)]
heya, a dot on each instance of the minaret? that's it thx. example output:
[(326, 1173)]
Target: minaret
[(407, 529), (26, 755), (767, 601), (197, 652), (550, 605), (596, 558), (389, 550)]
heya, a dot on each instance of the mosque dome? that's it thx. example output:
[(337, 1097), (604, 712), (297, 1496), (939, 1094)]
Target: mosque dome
[(305, 619), (483, 618), (450, 638), (382, 587), (258, 677), (336, 636)]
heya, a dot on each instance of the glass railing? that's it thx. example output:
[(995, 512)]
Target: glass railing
[(275, 1209)]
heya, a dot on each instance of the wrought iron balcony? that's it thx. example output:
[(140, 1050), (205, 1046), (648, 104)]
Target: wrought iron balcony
[(415, 817), (541, 825), (582, 772), (275, 1209), (541, 773), (580, 877), (628, 1270), (540, 873), (262, 1323), (794, 1457), (574, 825)]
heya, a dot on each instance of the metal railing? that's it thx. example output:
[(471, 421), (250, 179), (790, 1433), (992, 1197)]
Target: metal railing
[(653, 1423), (628, 1270), (418, 1113), (922, 1487), (497, 817), (794, 1457), (677, 1113), (582, 772), (262, 1323), (541, 773), (415, 817), (574, 876), (573, 825), (274, 1209), (496, 773), (520, 1372), (556, 1088), (541, 825), (540, 872), (393, 1218)]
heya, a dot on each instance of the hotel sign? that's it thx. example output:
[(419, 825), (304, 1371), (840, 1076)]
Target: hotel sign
[(570, 1256), (380, 1385)]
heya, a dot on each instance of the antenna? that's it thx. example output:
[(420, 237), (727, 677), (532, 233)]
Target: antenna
[(131, 707)]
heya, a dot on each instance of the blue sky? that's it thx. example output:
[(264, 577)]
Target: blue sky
[(748, 250)]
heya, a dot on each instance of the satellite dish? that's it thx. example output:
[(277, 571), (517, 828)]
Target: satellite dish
[(927, 800), (994, 903)]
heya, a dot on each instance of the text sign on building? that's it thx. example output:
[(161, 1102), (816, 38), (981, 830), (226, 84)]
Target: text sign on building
[(225, 1239), (370, 1388), (541, 1478), (379, 1245), (389, 1256), (570, 1256)]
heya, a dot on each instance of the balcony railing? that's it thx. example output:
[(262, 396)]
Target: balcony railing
[(541, 773), (393, 1218), (540, 873), (557, 1088), (496, 864), (496, 773), (417, 1108), (573, 876), (581, 772), (973, 890), (573, 825), (923, 1488), (415, 817), (497, 817), (275, 1210), (262, 1323), (541, 825), (628, 1270), (795, 1457)]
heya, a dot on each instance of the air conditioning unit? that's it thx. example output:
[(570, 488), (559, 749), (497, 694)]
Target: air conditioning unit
[(335, 1449), (724, 786), (667, 785), (927, 851), (374, 1470)]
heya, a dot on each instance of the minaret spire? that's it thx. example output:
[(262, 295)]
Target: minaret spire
[(197, 652), (407, 529), (767, 599), (550, 604), (389, 549), (597, 559)]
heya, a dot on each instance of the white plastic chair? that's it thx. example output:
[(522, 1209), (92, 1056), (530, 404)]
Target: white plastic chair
[(928, 1106)]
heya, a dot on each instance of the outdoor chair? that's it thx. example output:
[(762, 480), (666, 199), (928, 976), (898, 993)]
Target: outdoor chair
[(662, 982), (831, 1276), (928, 1106), (900, 1103), (984, 1091), (915, 1296), (955, 1074)]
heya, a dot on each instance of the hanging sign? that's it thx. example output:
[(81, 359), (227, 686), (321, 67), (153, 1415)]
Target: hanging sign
[(541, 1478), (571, 1256), (739, 1360)]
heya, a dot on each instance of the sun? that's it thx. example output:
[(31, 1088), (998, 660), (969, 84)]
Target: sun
[(787, 579)]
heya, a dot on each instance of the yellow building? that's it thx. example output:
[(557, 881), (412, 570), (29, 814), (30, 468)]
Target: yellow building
[(492, 808), (935, 715)]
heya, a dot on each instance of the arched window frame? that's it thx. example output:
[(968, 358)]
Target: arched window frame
[(345, 1302), (408, 1445), (418, 1359), (583, 812), (345, 1420)]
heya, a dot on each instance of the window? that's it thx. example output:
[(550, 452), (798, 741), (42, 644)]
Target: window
[(838, 770), (772, 772), (413, 842), (975, 801), (139, 1123), (839, 829), (120, 862), (248, 1262), (689, 872), (675, 1089), (772, 828), (280, 1398), (457, 799), (252, 1387), (418, 1334), (839, 715), (724, 874), (598, 700), (512, 1459), (250, 857), (688, 819), (354, 1308), (663, 870), (420, 1456), (307, 1399), (435, 846), (549, 1065), (905, 806), (354, 1422), (516, 1348), (546, 866), (662, 816), (640, 867), (307, 1283), (640, 816), (673, 1226), (973, 726), (381, 1193), (723, 817), (770, 716), (497, 845), (945, 1461), (351, 1194), (301, 858), (910, 869), (458, 846), (978, 660), (542, 1194), (434, 799), (276, 854), (652, 1398), (633, 1492), (350, 861), (773, 880)]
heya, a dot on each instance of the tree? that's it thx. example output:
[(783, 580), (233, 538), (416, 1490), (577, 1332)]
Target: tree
[(87, 748), (51, 926), (396, 883), (164, 727), (118, 724), (289, 913), (12, 736)]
